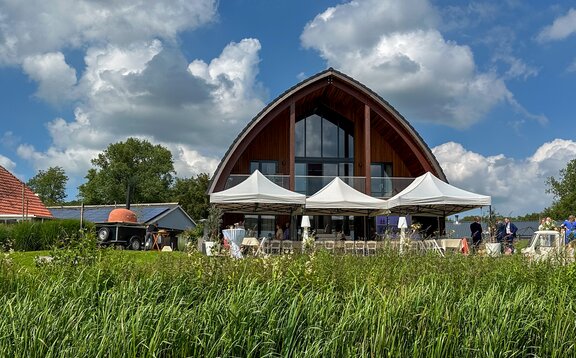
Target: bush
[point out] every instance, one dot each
(34, 236)
(5, 241)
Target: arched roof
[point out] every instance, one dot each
(336, 89)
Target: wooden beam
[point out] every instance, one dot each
(367, 159)
(291, 140)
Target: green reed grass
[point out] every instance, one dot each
(173, 305)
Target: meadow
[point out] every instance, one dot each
(170, 304)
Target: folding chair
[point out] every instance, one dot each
(348, 247)
(287, 246)
(329, 245)
(371, 247)
(275, 246)
(432, 245)
(359, 247)
(262, 248)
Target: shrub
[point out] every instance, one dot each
(34, 236)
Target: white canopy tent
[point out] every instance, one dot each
(428, 195)
(258, 195)
(338, 198)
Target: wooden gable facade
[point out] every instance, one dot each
(18, 201)
(380, 133)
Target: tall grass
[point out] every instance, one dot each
(299, 306)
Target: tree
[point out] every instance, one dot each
(564, 191)
(132, 171)
(50, 185)
(191, 195)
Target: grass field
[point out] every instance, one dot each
(150, 304)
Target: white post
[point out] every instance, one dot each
(402, 225)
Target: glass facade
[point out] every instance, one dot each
(381, 182)
(266, 167)
(324, 149)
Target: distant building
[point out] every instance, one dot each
(167, 215)
(18, 202)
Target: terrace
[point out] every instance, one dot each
(381, 187)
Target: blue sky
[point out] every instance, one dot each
(489, 85)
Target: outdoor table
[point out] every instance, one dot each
(235, 237)
(250, 245)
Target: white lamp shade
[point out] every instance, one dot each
(305, 221)
(402, 223)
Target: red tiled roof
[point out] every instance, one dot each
(14, 200)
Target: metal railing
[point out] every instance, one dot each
(382, 187)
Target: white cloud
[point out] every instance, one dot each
(148, 90)
(394, 48)
(517, 186)
(7, 163)
(561, 28)
(135, 81)
(55, 78)
(36, 26)
(572, 67)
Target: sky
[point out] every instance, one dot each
(489, 85)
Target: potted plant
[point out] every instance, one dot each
(212, 230)
(493, 247)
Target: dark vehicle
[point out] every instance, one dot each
(123, 229)
(128, 235)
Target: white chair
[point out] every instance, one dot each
(275, 246)
(371, 247)
(262, 248)
(348, 247)
(287, 247)
(432, 245)
(329, 245)
(359, 247)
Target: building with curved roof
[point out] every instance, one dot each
(327, 126)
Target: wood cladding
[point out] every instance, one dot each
(391, 139)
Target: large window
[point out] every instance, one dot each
(266, 167)
(324, 148)
(380, 174)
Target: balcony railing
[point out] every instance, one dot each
(381, 187)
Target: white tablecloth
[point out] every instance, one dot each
(234, 237)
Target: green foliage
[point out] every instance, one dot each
(5, 238)
(191, 195)
(564, 191)
(50, 185)
(213, 223)
(79, 248)
(33, 236)
(319, 305)
(529, 217)
(190, 238)
(135, 167)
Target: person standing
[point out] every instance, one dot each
(569, 226)
(500, 231)
(286, 234)
(476, 233)
(151, 229)
(511, 230)
(279, 232)
(542, 225)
